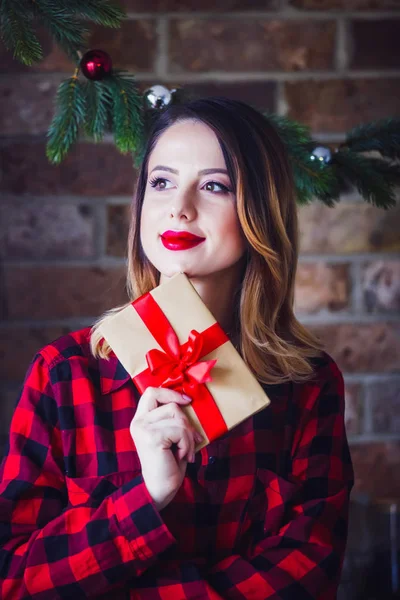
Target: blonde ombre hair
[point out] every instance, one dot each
(273, 343)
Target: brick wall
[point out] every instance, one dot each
(330, 64)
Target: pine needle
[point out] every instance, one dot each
(68, 32)
(126, 112)
(17, 33)
(291, 132)
(312, 179)
(70, 112)
(101, 12)
(98, 109)
(382, 136)
(374, 178)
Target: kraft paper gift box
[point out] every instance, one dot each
(169, 338)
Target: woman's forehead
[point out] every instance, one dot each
(188, 143)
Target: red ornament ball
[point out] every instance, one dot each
(96, 64)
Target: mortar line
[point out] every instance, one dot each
(233, 76)
(288, 14)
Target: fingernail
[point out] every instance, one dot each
(199, 438)
(186, 398)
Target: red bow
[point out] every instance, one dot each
(181, 370)
(179, 367)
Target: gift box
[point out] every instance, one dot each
(169, 338)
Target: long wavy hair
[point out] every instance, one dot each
(273, 343)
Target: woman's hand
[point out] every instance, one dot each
(154, 429)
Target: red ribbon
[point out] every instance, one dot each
(179, 366)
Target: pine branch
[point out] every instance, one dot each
(291, 132)
(63, 19)
(70, 113)
(314, 180)
(101, 12)
(382, 136)
(68, 32)
(311, 178)
(374, 178)
(17, 33)
(127, 105)
(98, 109)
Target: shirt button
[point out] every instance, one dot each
(212, 460)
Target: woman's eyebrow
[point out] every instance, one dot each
(202, 172)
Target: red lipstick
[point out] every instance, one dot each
(180, 240)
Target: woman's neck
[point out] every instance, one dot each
(217, 293)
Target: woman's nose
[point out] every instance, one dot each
(183, 207)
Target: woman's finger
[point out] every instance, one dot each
(151, 397)
(170, 432)
(167, 411)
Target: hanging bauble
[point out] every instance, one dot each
(96, 64)
(157, 97)
(321, 154)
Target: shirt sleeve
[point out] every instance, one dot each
(49, 551)
(303, 558)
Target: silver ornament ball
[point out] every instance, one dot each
(321, 154)
(157, 97)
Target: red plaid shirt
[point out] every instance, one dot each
(261, 514)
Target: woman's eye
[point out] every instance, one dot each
(159, 183)
(154, 183)
(223, 187)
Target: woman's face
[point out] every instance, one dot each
(189, 190)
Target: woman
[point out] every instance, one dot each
(102, 494)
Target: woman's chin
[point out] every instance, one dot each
(169, 271)
(171, 268)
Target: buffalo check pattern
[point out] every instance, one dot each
(261, 514)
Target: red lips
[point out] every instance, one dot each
(180, 240)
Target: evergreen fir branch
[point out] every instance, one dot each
(98, 108)
(291, 132)
(101, 12)
(382, 136)
(374, 178)
(17, 33)
(64, 19)
(70, 113)
(68, 32)
(313, 180)
(126, 112)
